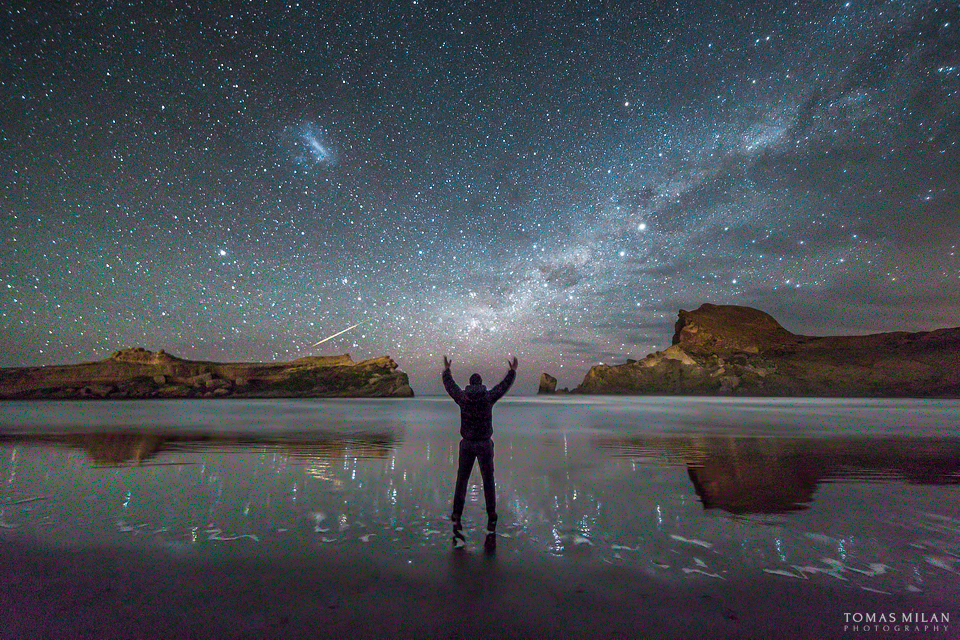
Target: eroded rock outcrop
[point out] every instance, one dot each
(731, 350)
(548, 384)
(138, 373)
(724, 330)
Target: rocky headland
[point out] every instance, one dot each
(733, 350)
(138, 373)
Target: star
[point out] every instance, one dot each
(249, 181)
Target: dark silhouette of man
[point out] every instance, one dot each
(476, 429)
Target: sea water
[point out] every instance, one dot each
(861, 494)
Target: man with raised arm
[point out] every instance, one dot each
(476, 429)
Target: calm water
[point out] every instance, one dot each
(861, 494)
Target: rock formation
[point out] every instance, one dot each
(138, 373)
(724, 330)
(731, 350)
(548, 384)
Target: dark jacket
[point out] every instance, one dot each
(476, 404)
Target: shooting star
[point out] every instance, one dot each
(337, 333)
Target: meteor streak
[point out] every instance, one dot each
(337, 333)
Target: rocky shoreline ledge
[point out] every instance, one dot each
(739, 351)
(716, 350)
(138, 373)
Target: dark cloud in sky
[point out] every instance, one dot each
(552, 180)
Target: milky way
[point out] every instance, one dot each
(550, 180)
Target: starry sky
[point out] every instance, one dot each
(553, 180)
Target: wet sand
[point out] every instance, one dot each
(618, 519)
(124, 593)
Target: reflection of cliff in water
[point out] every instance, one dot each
(121, 447)
(775, 475)
(746, 478)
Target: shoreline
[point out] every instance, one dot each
(712, 518)
(147, 593)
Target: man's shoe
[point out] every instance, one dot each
(458, 539)
(492, 524)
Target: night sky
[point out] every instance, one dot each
(238, 181)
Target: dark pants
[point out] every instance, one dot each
(482, 451)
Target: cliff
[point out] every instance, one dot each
(731, 350)
(138, 373)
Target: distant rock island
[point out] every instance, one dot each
(733, 350)
(548, 384)
(138, 373)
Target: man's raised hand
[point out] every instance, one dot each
(513, 363)
(446, 362)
